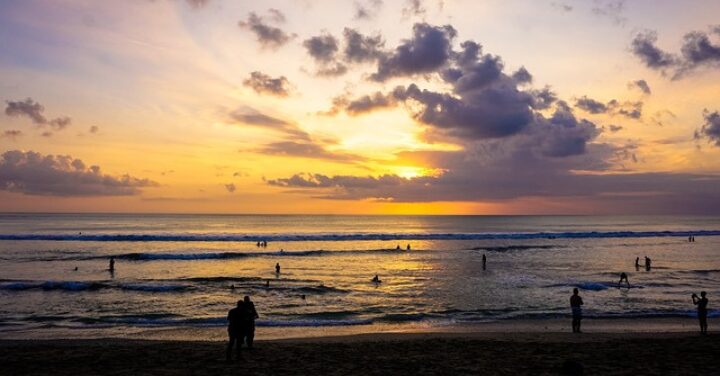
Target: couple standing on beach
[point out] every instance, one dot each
(241, 325)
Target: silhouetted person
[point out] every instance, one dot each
(576, 303)
(624, 277)
(236, 317)
(277, 268)
(249, 321)
(257, 244)
(111, 268)
(408, 247)
(76, 268)
(398, 247)
(693, 238)
(637, 263)
(376, 279)
(484, 262)
(648, 263)
(701, 303)
(267, 283)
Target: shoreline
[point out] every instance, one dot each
(508, 328)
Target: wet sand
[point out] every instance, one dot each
(512, 352)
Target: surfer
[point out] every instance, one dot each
(484, 262)
(376, 279)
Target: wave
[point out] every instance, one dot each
(514, 248)
(212, 237)
(597, 286)
(88, 286)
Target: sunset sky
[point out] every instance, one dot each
(360, 107)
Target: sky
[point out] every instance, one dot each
(360, 106)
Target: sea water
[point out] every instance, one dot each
(188, 270)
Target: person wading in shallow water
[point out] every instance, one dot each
(236, 320)
(701, 303)
(576, 303)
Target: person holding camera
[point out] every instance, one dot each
(701, 303)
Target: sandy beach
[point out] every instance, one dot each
(516, 350)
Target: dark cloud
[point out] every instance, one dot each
(614, 128)
(332, 70)
(322, 47)
(429, 49)
(614, 107)
(522, 76)
(590, 105)
(641, 85)
(697, 51)
(710, 130)
(230, 187)
(11, 134)
(252, 117)
(32, 173)
(94, 129)
(360, 48)
(267, 35)
(34, 111)
(306, 149)
(264, 84)
(643, 46)
(542, 98)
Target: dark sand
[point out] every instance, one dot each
(482, 353)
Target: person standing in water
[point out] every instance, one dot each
(111, 268)
(637, 263)
(277, 268)
(484, 262)
(576, 303)
(701, 303)
(408, 247)
(624, 277)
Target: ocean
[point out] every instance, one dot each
(186, 271)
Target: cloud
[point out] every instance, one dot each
(230, 187)
(264, 84)
(322, 47)
(710, 130)
(34, 111)
(250, 116)
(94, 129)
(643, 46)
(268, 36)
(590, 105)
(276, 15)
(368, 9)
(697, 51)
(614, 128)
(629, 109)
(32, 173)
(429, 48)
(305, 149)
(360, 48)
(11, 134)
(641, 85)
(612, 9)
(414, 8)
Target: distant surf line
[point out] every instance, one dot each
(169, 237)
